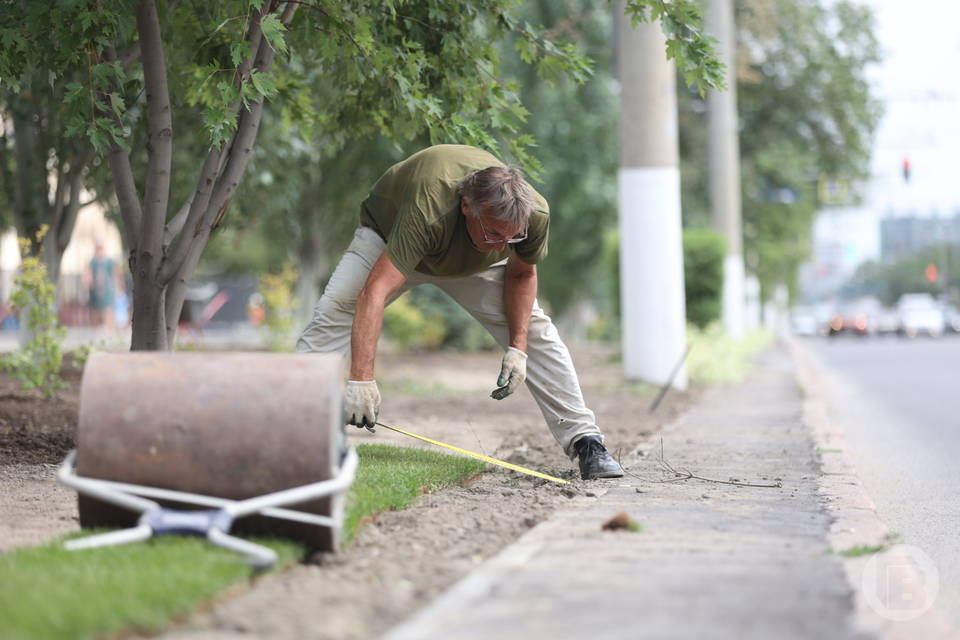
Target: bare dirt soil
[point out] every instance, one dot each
(35, 435)
(400, 560)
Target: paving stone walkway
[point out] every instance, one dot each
(712, 560)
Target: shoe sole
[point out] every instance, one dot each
(604, 476)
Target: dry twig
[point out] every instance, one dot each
(681, 475)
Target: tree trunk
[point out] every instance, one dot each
(312, 254)
(52, 257)
(31, 183)
(65, 208)
(148, 320)
(163, 257)
(149, 328)
(313, 268)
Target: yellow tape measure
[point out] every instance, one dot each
(478, 456)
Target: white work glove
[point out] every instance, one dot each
(513, 372)
(361, 403)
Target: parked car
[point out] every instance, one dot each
(920, 313)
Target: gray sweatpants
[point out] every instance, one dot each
(551, 377)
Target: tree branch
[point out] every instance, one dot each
(58, 197)
(30, 200)
(123, 183)
(127, 196)
(6, 179)
(41, 129)
(73, 206)
(212, 166)
(237, 157)
(254, 37)
(160, 134)
(175, 224)
(239, 153)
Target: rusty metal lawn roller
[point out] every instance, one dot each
(252, 436)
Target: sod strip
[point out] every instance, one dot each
(391, 478)
(48, 592)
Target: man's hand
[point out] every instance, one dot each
(513, 372)
(361, 403)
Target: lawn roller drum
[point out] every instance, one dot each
(254, 436)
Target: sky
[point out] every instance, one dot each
(919, 82)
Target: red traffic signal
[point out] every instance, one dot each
(931, 272)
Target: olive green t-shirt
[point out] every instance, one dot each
(415, 208)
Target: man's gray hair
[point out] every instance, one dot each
(504, 190)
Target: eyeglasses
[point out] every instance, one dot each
(498, 239)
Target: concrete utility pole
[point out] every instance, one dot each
(724, 164)
(651, 245)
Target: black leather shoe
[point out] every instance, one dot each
(595, 461)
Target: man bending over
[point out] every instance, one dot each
(456, 217)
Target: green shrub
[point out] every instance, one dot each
(716, 358)
(409, 327)
(703, 253)
(461, 331)
(426, 318)
(37, 363)
(280, 306)
(606, 328)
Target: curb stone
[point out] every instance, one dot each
(855, 521)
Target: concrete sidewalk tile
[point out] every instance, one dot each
(712, 561)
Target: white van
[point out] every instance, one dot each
(919, 313)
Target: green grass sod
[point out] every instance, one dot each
(393, 477)
(50, 593)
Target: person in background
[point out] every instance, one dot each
(104, 281)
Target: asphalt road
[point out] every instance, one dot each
(899, 400)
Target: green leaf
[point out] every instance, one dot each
(239, 51)
(116, 103)
(264, 83)
(273, 31)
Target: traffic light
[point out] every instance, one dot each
(931, 272)
(906, 169)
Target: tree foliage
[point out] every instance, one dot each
(687, 45)
(399, 69)
(576, 129)
(890, 280)
(43, 172)
(806, 112)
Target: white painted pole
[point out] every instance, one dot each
(724, 164)
(653, 311)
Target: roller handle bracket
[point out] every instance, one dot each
(165, 521)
